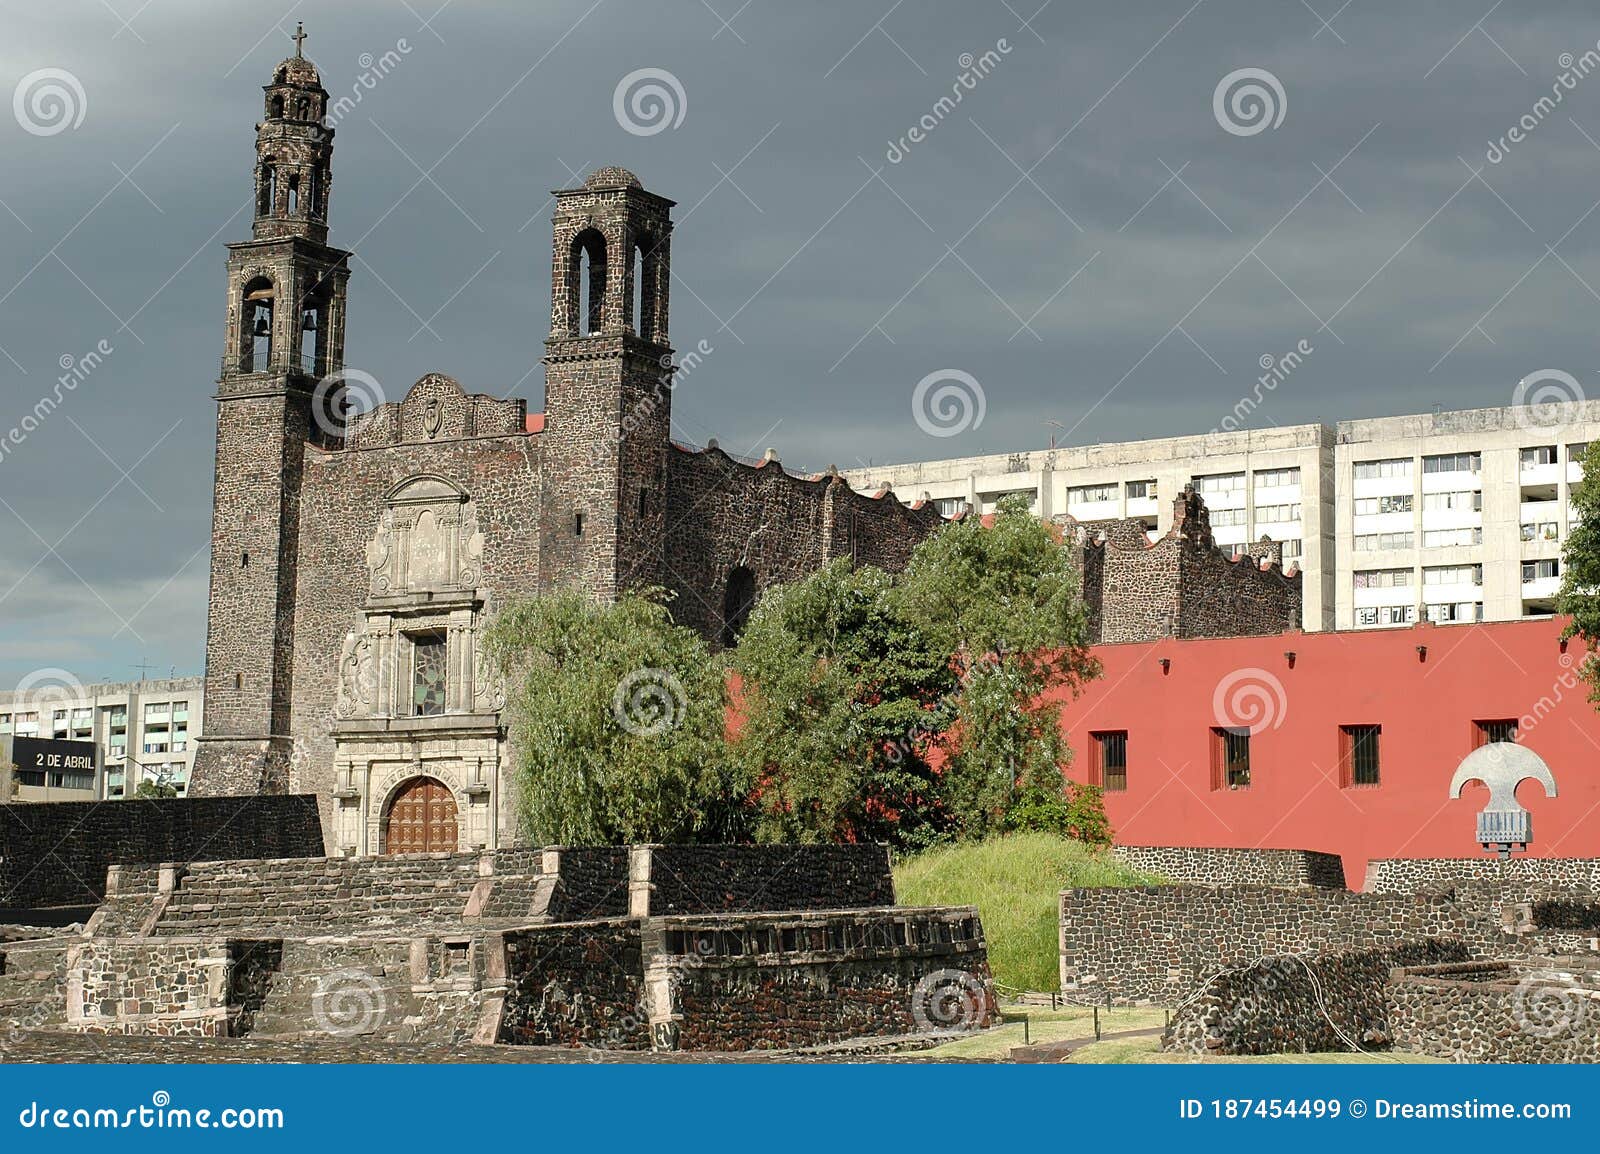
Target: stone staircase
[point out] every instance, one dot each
(33, 976)
(367, 988)
(309, 896)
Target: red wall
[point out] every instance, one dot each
(1426, 706)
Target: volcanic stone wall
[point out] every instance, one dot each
(56, 853)
(593, 883)
(1161, 943)
(1199, 865)
(1284, 1004)
(1407, 875)
(727, 878)
(172, 988)
(1521, 1016)
(777, 981)
(579, 983)
(1181, 584)
(724, 514)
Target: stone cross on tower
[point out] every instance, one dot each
(299, 38)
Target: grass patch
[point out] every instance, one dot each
(1016, 882)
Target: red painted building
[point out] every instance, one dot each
(1343, 742)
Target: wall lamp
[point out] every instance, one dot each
(1422, 653)
(1288, 656)
(1165, 663)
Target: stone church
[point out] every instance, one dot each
(355, 560)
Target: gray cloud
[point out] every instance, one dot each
(797, 245)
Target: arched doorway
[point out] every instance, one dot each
(738, 598)
(421, 819)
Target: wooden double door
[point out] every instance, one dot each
(422, 819)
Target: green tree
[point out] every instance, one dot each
(1004, 599)
(151, 787)
(1580, 570)
(841, 697)
(618, 718)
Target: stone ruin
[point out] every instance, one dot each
(1266, 952)
(641, 950)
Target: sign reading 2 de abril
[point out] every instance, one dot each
(58, 764)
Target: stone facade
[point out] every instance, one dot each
(1200, 865)
(348, 553)
(1180, 584)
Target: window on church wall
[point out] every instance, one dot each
(1230, 758)
(256, 319)
(588, 282)
(428, 656)
(267, 190)
(294, 194)
(645, 262)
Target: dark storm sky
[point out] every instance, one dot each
(1081, 233)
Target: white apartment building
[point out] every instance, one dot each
(144, 730)
(1447, 516)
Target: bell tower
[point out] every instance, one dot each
(608, 388)
(279, 391)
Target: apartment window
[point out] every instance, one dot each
(1230, 758)
(950, 506)
(428, 674)
(1222, 518)
(1089, 494)
(1385, 540)
(1466, 501)
(1443, 538)
(1536, 570)
(1277, 478)
(1541, 455)
(1218, 483)
(1292, 548)
(5, 723)
(1453, 463)
(1372, 470)
(1111, 760)
(1267, 514)
(1576, 452)
(1396, 503)
(1485, 732)
(1541, 531)
(1358, 757)
(1453, 575)
(1382, 578)
(1373, 615)
(1141, 490)
(27, 725)
(1449, 612)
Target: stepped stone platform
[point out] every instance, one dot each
(638, 950)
